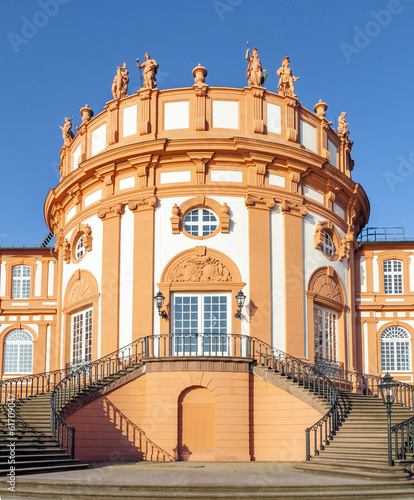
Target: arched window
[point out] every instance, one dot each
(395, 350)
(393, 277)
(18, 352)
(200, 222)
(21, 282)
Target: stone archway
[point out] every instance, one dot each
(196, 425)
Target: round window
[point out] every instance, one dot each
(200, 222)
(328, 247)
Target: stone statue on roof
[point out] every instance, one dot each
(67, 133)
(286, 79)
(256, 76)
(150, 70)
(343, 131)
(120, 83)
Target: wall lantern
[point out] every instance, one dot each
(240, 298)
(388, 390)
(159, 302)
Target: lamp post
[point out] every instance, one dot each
(159, 302)
(388, 391)
(240, 298)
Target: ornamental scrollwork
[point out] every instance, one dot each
(200, 269)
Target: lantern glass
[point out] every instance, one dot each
(159, 300)
(388, 389)
(240, 298)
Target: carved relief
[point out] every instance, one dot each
(326, 286)
(200, 268)
(111, 211)
(142, 204)
(175, 219)
(81, 288)
(259, 202)
(294, 208)
(294, 178)
(225, 218)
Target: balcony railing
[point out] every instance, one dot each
(383, 234)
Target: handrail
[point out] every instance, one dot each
(93, 373)
(29, 385)
(404, 438)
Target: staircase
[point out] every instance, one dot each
(35, 450)
(360, 446)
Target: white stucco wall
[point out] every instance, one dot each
(278, 278)
(234, 244)
(314, 259)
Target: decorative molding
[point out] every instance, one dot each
(258, 124)
(107, 176)
(200, 161)
(142, 164)
(294, 208)
(109, 212)
(291, 104)
(252, 201)
(294, 180)
(113, 111)
(76, 193)
(145, 98)
(200, 268)
(200, 201)
(140, 204)
(260, 162)
(200, 90)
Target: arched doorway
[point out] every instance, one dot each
(196, 425)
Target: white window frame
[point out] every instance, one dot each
(393, 277)
(395, 340)
(21, 277)
(198, 228)
(80, 250)
(325, 333)
(328, 246)
(214, 343)
(23, 357)
(85, 349)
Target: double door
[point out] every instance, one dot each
(200, 323)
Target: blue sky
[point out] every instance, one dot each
(58, 55)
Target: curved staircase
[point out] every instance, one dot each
(360, 446)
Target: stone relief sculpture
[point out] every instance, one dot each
(120, 83)
(286, 79)
(343, 131)
(67, 133)
(256, 76)
(150, 70)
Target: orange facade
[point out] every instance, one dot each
(199, 194)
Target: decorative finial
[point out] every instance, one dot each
(286, 79)
(86, 113)
(320, 109)
(150, 70)
(199, 73)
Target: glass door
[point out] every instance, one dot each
(325, 334)
(81, 337)
(200, 324)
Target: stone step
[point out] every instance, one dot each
(38, 469)
(339, 469)
(42, 462)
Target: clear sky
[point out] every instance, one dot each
(58, 55)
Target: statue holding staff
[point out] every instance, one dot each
(255, 74)
(150, 70)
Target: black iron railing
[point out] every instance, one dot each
(382, 234)
(403, 439)
(366, 385)
(29, 385)
(194, 344)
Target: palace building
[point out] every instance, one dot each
(203, 230)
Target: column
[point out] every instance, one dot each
(111, 217)
(260, 291)
(294, 279)
(143, 279)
